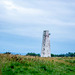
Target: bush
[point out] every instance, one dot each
(7, 53)
(32, 54)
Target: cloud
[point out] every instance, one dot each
(10, 6)
(25, 17)
(41, 12)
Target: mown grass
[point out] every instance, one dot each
(27, 65)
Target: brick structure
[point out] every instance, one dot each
(45, 45)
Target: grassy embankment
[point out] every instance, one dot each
(27, 65)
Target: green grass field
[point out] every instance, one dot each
(28, 65)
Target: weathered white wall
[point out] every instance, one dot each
(45, 52)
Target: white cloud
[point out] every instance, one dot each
(10, 6)
(37, 16)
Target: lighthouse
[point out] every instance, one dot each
(45, 52)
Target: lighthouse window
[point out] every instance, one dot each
(43, 48)
(43, 53)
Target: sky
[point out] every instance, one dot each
(22, 23)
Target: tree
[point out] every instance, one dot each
(32, 54)
(7, 53)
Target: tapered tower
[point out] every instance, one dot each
(45, 52)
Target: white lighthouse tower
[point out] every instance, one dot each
(45, 52)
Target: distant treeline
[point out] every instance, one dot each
(32, 54)
(69, 54)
